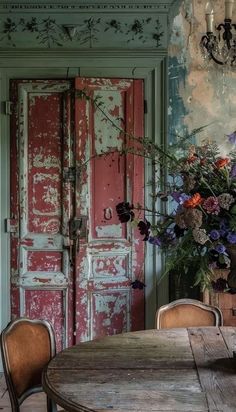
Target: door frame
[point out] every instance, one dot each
(150, 65)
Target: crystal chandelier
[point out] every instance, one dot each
(219, 42)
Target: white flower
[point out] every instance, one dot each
(200, 236)
(225, 200)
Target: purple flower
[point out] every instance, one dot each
(231, 237)
(214, 234)
(220, 248)
(224, 224)
(224, 228)
(232, 137)
(233, 171)
(176, 196)
(180, 197)
(154, 240)
(223, 232)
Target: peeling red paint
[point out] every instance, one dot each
(38, 158)
(44, 261)
(49, 303)
(115, 112)
(106, 265)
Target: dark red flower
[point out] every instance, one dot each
(125, 212)
(220, 285)
(144, 228)
(137, 284)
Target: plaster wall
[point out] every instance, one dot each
(198, 94)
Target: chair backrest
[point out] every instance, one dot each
(183, 313)
(26, 347)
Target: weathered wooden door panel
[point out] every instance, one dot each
(41, 204)
(107, 112)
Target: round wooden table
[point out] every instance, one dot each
(167, 370)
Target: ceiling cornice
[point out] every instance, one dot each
(121, 7)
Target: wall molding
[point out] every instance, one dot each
(85, 7)
(83, 53)
(84, 58)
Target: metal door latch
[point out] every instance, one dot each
(78, 227)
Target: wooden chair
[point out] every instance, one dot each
(26, 346)
(185, 313)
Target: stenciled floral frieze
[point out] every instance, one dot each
(87, 33)
(47, 31)
(137, 30)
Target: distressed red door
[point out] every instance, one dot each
(110, 256)
(87, 293)
(41, 205)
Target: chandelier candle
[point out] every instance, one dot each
(229, 9)
(209, 17)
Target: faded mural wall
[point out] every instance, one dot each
(198, 95)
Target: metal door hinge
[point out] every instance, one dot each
(10, 225)
(145, 108)
(8, 106)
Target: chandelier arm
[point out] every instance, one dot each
(227, 35)
(216, 60)
(206, 41)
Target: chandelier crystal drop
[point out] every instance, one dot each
(219, 43)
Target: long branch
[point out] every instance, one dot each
(81, 93)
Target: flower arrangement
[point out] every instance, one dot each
(196, 219)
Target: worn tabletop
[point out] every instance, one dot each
(187, 370)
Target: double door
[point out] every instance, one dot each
(72, 261)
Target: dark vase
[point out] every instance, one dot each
(181, 284)
(232, 274)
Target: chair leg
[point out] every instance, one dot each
(51, 405)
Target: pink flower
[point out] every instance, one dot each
(211, 205)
